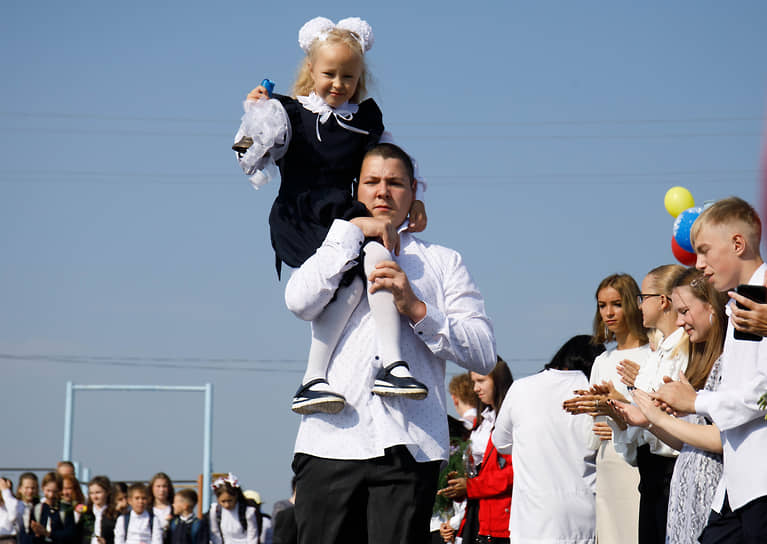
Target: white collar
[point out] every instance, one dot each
(344, 112)
(671, 340)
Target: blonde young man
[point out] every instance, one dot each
(726, 239)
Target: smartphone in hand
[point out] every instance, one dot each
(757, 293)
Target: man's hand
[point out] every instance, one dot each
(417, 217)
(753, 319)
(381, 228)
(677, 396)
(388, 275)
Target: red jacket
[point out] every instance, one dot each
(492, 486)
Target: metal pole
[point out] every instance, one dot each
(207, 463)
(68, 419)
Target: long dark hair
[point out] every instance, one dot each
(104, 483)
(171, 491)
(502, 380)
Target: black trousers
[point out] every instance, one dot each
(655, 473)
(747, 524)
(386, 500)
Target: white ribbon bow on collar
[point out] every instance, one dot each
(344, 112)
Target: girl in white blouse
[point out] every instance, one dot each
(233, 519)
(161, 494)
(617, 319)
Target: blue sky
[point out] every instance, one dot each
(134, 250)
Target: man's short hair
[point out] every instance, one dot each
(727, 212)
(391, 151)
(189, 495)
(462, 387)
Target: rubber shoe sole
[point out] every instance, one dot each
(325, 405)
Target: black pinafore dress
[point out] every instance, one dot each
(318, 178)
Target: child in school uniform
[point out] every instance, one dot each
(49, 522)
(185, 527)
(139, 525)
(27, 494)
(11, 513)
(233, 519)
(161, 498)
(97, 522)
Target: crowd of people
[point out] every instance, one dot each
(641, 432)
(136, 513)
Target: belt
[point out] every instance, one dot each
(482, 539)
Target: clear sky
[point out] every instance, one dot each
(134, 251)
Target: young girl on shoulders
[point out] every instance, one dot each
(233, 519)
(161, 495)
(318, 140)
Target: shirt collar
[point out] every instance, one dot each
(671, 340)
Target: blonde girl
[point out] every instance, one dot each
(318, 138)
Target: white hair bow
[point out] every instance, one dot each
(318, 28)
(230, 479)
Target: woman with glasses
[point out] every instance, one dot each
(654, 459)
(700, 310)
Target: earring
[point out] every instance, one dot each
(711, 319)
(607, 332)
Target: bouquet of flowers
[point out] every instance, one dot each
(461, 462)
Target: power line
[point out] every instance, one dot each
(563, 122)
(168, 362)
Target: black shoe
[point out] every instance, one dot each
(243, 145)
(389, 385)
(308, 401)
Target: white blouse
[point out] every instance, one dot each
(481, 435)
(605, 369)
(163, 514)
(231, 529)
(98, 513)
(11, 514)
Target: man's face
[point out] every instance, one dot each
(716, 256)
(385, 188)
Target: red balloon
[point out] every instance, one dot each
(684, 257)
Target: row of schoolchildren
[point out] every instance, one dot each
(675, 423)
(116, 513)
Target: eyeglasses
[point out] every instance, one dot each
(641, 298)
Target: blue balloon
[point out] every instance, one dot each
(682, 226)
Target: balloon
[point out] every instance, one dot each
(684, 257)
(677, 200)
(682, 227)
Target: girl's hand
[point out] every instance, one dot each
(651, 411)
(631, 414)
(594, 405)
(446, 532)
(602, 430)
(258, 93)
(38, 529)
(677, 398)
(628, 371)
(417, 217)
(456, 487)
(607, 388)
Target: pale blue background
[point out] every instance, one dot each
(133, 250)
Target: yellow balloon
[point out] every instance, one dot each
(677, 200)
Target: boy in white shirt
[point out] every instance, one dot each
(138, 525)
(726, 239)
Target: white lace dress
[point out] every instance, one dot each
(696, 477)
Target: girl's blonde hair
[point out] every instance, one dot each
(304, 83)
(629, 291)
(703, 355)
(663, 279)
